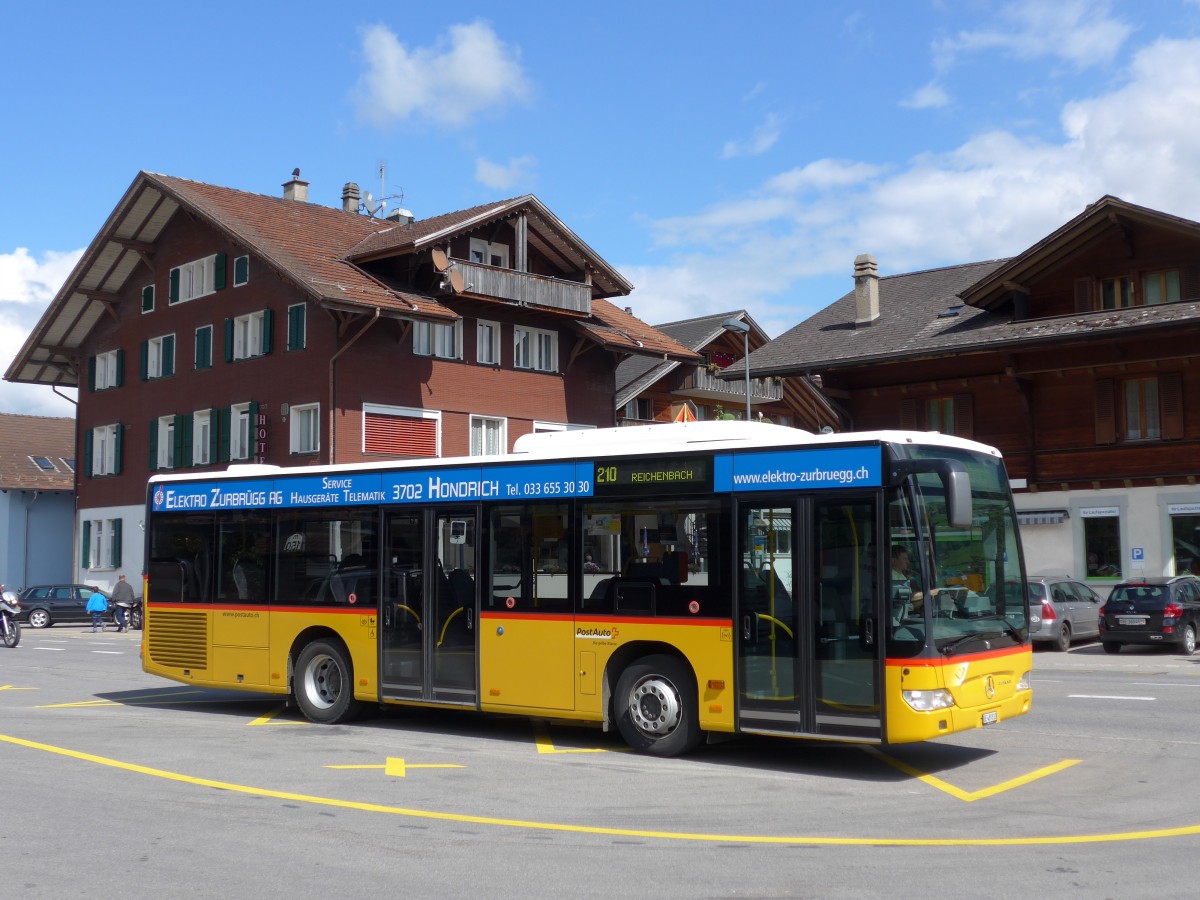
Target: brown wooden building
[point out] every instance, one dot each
(1077, 359)
(672, 390)
(206, 325)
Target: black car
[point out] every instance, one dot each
(1160, 610)
(44, 605)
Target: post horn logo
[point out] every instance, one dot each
(989, 687)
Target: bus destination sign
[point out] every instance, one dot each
(680, 475)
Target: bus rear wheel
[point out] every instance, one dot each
(656, 707)
(324, 684)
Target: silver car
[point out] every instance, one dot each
(1062, 609)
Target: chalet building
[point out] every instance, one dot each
(37, 500)
(206, 326)
(1079, 359)
(671, 390)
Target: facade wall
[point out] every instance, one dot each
(377, 365)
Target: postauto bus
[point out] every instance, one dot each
(672, 580)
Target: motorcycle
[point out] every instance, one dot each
(10, 628)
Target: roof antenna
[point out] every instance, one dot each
(373, 207)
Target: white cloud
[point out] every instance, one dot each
(993, 196)
(762, 140)
(931, 96)
(468, 72)
(27, 285)
(518, 170)
(1081, 32)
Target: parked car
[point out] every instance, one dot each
(1062, 609)
(1160, 610)
(44, 605)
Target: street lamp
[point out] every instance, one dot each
(733, 326)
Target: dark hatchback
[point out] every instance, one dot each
(1161, 610)
(44, 605)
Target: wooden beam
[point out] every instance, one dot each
(108, 300)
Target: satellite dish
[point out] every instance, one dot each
(456, 280)
(440, 261)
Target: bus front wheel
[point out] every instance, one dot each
(324, 684)
(656, 707)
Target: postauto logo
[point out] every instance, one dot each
(596, 634)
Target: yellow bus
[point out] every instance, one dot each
(674, 581)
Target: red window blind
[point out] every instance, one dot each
(399, 435)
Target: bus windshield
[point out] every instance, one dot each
(949, 581)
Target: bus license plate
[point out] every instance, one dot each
(991, 718)
(1131, 620)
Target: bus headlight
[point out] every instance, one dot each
(926, 701)
(1023, 684)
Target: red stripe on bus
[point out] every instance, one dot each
(941, 662)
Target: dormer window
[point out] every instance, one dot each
(489, 254)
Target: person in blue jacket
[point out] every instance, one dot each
(97, 606)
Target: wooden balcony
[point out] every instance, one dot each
(521, 287)
(699, 382)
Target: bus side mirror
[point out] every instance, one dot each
(956, 482)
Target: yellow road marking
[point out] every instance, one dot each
(397, 767)
(269, 718)
(1184, 831)
(10, 687)
(970, 796)
(541, 736)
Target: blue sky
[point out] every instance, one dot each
(722, 156)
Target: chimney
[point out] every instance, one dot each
(866, 290)
(295, 189)
(351, 197)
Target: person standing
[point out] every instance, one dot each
(97, 606)
(122, 596)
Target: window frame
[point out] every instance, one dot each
(105, 450)
(240, 427)
(241, 270)
(431, 339)
(481, 251)
(195, 279)
(160, 357)
(107, 370)
(490, 426)
(305, 437)
(203, 427)
(529, 356)
(490, 342)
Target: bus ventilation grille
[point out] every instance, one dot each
(179, 639)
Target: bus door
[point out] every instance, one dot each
(429, 606)
(808, 641)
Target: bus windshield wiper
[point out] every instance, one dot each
(949, 648)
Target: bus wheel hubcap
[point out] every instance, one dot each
(654, 705)
(323, 682)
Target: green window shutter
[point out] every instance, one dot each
(214, 444)
(223, 449)
(229, 340)
(268, 328)
(296, 326)
(173, 290)
(117, 450)
(148, 297)
(87, 453)
(145, 363)
(241, 270)
(204, 347)
(116, 543)
(120, 380)
(86, 546)
(183, 442)
(219, 272)
(253, 423)
(153, 442)
(91, 373)
(168, 355)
